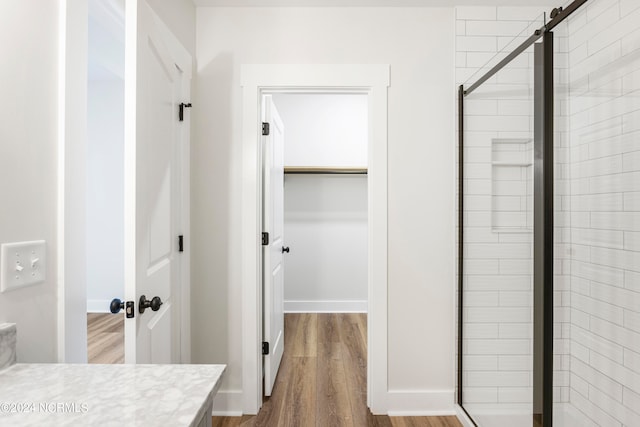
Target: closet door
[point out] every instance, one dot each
(273, 245)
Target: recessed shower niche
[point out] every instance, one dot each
(512, 185)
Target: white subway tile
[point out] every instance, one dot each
(581, 319)
(615, 333)
(494, 28)
(598, 273)
(498, 314)
(595, 237)
(632, 360)
(631, 122)
(483, 299)
(498, 379)
(476, 12)
(597, 308)
(631, 399)
(515, 331)
(497, 283)
(515, 394)
(631, 42)
(473, 331)
(616, 258)
(480, 395)
(632, 320)
(613, 407)
(578, 351)
(632, 201)
(502, 250)
(632, 241)
(592, 411)
(515, 362)
(476, 44)
(480, 363)
(631, 82)
(632, 280)
(515, 299)
(461, 28)
(481, 266)
(517, 266)
(628, 6)
(596, 378)
(598, 344)
(528, 14)
(625, 221)
(579, 384)
(498, 347)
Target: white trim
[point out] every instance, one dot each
(98, 306)
(72, 131)
(374, 81)
(463, 418)
(404, 403)
(227, 403)
(332, 306)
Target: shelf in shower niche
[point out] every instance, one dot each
(512, 163)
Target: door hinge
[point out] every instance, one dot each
(181, 112)
(265, 128)
(180, 243)
(265, 348)
(265, 239)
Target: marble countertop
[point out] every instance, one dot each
(106, 395)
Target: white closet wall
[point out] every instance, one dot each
(325, 215)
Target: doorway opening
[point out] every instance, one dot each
(371, 82)
(315, 262)
(105, 181)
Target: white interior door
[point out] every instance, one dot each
(273, 224)
(157, 72)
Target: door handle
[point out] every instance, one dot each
(117, 305)
(144, 303)
(285, 249)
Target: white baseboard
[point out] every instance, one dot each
(227, 403)
(414, 403)
(331, 306)
(98, 306)
(463, 418)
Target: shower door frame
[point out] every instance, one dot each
(543, 213)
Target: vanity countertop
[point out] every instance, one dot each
(107, 395)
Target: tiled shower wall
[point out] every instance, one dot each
(604, 108)
(498, 317)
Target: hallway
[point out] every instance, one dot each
(322, 379)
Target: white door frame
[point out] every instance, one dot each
(372, 80)
(71, 246)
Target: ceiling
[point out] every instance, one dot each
(363, 3)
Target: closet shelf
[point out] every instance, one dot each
(329, 170)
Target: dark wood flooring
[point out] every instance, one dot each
(322, 379)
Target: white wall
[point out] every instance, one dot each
(105, 195)
(28, 161)
(324, 130)
(418, 44)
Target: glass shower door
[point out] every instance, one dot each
(498, 251)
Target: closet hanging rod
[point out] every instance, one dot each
(310, 170)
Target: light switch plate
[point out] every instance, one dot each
(22, 264)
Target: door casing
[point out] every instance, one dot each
(257, 80)
(72, 127)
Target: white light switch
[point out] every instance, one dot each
(22, 264)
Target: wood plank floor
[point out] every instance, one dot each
(105, 338)
(322, 379)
